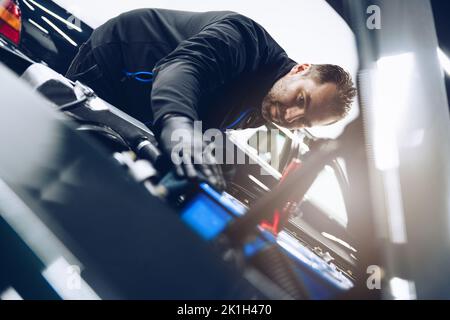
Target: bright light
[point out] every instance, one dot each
(402, 289)
(393, 78)
(28, 5)
(444, 60)
(65, 36)
(340, 241)
(10, 294)
(65, 280)
(392, 83)
(259, 183)
(326, 194)
(37, 25)
(54, 15)
(394, 205)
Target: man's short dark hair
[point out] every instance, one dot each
(346, 91)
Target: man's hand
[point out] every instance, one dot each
(191, 157)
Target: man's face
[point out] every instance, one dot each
(297, 101)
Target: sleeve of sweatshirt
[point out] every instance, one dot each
(200, 64)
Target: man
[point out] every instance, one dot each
(169, 68)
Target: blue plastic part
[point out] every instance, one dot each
(206, 217)
(210, 212)
(230, 203)
(254, 247)
(141, 76)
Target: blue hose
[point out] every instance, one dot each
(141, 76)
(241, 116)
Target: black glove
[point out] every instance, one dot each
(191, 157)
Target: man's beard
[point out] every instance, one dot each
(265, 107)
(271, 99)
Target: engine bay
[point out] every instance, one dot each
(280, 256)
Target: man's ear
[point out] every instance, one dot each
(298, 68)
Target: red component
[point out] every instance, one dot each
(10, 34)
(293, 166)
(10, 21)
(274, 225)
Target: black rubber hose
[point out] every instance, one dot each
(278, 267)
(147, 150)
